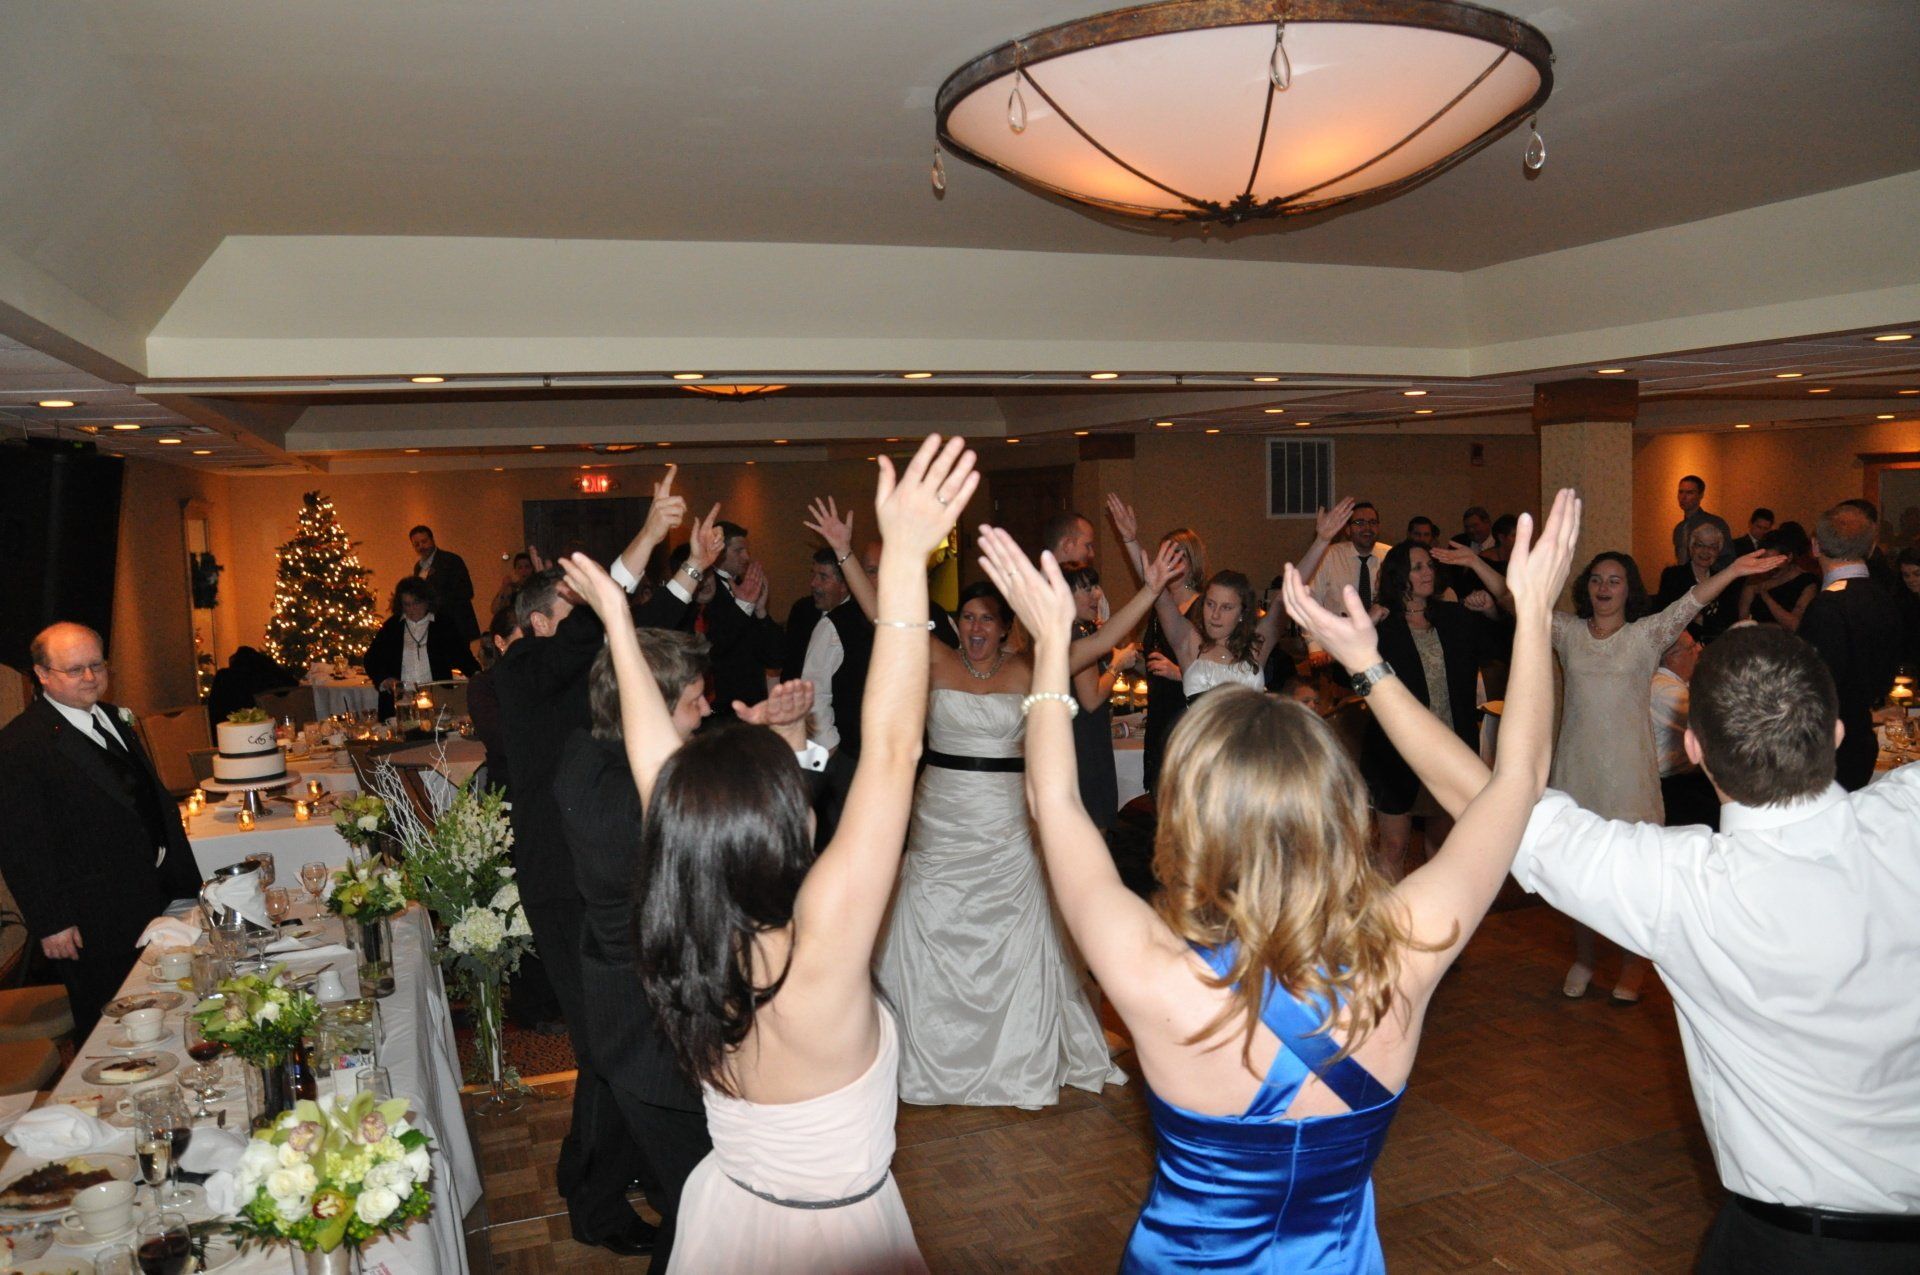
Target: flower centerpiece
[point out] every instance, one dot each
(328, 1176)
(263, 1022)
(364, 896)
(361, 820)
(460, 870)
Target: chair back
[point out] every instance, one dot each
(201, 759)
(449, 698)
(171, 735)
(293, 701)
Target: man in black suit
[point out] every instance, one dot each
(802, 617)
(542, 685)
(838, 650)
(746, 643)
(1759, 523)
(90, 842)
(1854, 624)
(445, 572)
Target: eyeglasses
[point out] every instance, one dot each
(1363, 522)
(80, 670)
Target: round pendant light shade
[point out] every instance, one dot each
(1229, 110)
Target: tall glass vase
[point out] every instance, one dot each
(270, 1089)
(489, 1024)
(374, 940)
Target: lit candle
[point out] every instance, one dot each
(196, 802)
(313, 788)
(245, 820)
(423, 701)
(302, 811)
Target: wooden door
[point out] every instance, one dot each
(598, 526)
(1023, 500)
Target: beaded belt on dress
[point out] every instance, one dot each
(815, 1204)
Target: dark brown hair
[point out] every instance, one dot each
(1763, 708)
(1636, 588)
(1240, 642)
(676, 659)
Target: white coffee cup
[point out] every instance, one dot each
(144, 1025)
(174, 965)
(103, 1209)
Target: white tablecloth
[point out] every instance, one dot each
(350, 695)
(217, 842)
(415, 1046)
(1129, 767)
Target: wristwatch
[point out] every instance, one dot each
(693, 573)
(1368, 678)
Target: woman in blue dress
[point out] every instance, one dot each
(1276, 988)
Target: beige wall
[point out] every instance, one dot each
(153, 655)
(1795, 472)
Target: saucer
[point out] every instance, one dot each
(123, 1041)
(76, 1234)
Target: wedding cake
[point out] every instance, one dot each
(248, 752)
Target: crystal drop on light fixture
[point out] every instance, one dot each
(1280, 66)
(1536, 149)
(939, 175)
(1016, 107)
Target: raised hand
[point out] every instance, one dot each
(1167, 566)
(707, 541)
(1125, 654)
(751, 587)
(1124, 521)
(1348, 638)
(1537, 569)
(1330, 524)
(1454, 555)
(1039, 596)
(667, 510)
(827, 523)
(918, 508)
(1757, 563)
(784, 710)
(539, 560)
(590, 581)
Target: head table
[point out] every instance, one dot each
(414, 1042)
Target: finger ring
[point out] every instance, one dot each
(942, 499)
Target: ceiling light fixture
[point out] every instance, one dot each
(1743, 425)
(1894, 336)
(1788, 376)
(126, 425)
(427, 380)
(413, 451)
(56, 402)
(1013, 440)
(689, 376)
(1230, 110)
(202, 451)
(734, 391)
(1423, 411)
(1907, 391)
(1214, 430)
(1081, 433)
(1273, 411)
(538, 447)
(1609, 371)
(1163, 424)
(1884, 416)
(1265, 380)
(1825, 389)
(168, 442)
(779, 442)
(1413, 393)
(915, 376)
(1301, 424)
(1102, 376)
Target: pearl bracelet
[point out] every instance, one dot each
(903, 624)
(1073, 705)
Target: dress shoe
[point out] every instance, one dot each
(635, 1241)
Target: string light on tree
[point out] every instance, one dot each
(322, 608)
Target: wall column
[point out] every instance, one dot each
(1586, 442)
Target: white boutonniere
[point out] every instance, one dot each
(126, 715)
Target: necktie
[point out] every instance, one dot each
(108, 736)
(1366, 582)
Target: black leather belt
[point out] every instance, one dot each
(1827, 1224)
(947, 761)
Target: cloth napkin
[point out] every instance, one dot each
(213, 1150)
(222, 1199)
(53, 1133)
(240, 894)
(306, 949)
(169, 931)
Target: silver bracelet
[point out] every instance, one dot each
(1073, 705)
(903, 624)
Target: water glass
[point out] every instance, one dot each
(207, 973)
(115, 1259)
(373, 1080)
(314, 875)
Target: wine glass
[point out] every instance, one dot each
(264, 865)
(115, 1259)
(279, 903)
(168, 1111)
(313, 875)
(204, 1075)
(164, 1244)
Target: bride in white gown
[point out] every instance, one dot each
(992, 1005)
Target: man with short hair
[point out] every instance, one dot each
(1787, 940)
(1070, 537)
(1688, 496)
(90, 841)
(1354, 560)
(1478, 535)
(1879, 565)
(1422, 531)
(445, 573)
(746, 643)
(1854, 624)
(1759, 523)
(837, 654)
(826, 589)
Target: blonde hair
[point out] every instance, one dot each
(1264, 842)
(1196, 550)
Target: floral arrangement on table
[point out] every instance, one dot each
(460, 869)
(334, 1173)
(369, 891)
(247, 716)
(362, 818)
(258, 1017)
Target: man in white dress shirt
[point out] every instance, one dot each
(1353, 561)
(837, 653)
(1789, 942)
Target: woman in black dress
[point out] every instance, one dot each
(1781, 596)
(1436, 648)
(412, 643)
(1706, 553)
(1166, 696)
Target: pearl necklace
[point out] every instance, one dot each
(999, 658)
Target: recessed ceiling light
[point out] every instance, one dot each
(1213, 431)
(915, 376)
(1743, 425)
(1413, 393)
(779, 442)
(586, 466)
(413, 451)
(893, 440)
(1302, 424)
(1273, 411)
(1884, 416)
(1266, 380)
(1894, 336)
(1423, 411)
(1092, 376)
(1163, 424)
(539, 447)
(1908, 391)
(56, 402)
(202, 451)
(126, 425)
(426, 380)
(1788, 376)
(689, 376)
(499, 469)
(1081, 433)
(413, 471)
(1013, 440)
(167, 442)
(666, 444)
(1824, 389)
(1609, 371)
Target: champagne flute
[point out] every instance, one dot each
(313, 875)
(153, 1144)
(164, 1245)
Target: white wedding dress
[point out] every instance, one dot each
(992, 1005)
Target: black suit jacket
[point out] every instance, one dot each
(447, 653)
(799, 630)
(1714, 619)
(744, 648)
(452, 592)
(1856, 628)
(78, 835)
(1467, 640)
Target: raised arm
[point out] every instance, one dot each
(839, 908)
(827, 523)
(1447, 897)
(1327, 526)
(1127, 526)
(664, 513)
(1757, 563)
(1183, 639)
(1160, 573)
(1113, 927)
(645, 719)
(1454, 555)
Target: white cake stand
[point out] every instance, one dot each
(252, 788)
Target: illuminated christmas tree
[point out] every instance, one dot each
(322, 608)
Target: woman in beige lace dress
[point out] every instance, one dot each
(1604, 758)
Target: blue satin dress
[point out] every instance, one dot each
(1258, 1193)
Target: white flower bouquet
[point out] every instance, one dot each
(368, 891)
(333, 1173)
(258, 1016)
